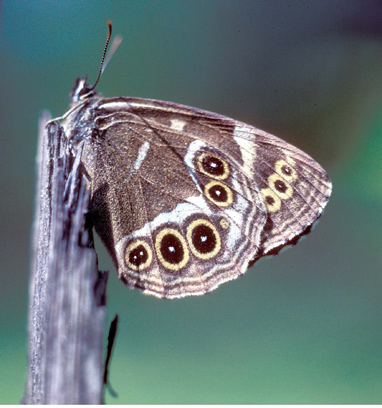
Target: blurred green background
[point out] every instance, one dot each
(302, 327)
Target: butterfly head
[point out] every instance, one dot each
(81, 90)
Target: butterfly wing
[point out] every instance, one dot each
(295, 189)
(186, 199)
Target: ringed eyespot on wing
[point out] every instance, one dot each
(219, 193)
(203, 238)
(213, 166)
(138, 255)
(286, 170)
(171, 249)
(280, 186)
(271, 199)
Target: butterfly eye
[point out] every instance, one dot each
(138, 255)
(286, 170)
(203, 238)
(213, 166)
(219, 193)
(171, 249)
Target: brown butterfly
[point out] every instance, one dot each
(186, 199)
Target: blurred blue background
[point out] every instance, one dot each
(302, 327)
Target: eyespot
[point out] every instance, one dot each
(280, 186)
(213, 166)
(138, 255)
(285, 170)
(219, 193)
(271, 199)
(171, 249)
(203, 238)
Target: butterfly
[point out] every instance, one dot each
(186, 199)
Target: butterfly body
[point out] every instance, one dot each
(186, 199)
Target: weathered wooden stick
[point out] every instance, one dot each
(67, 292)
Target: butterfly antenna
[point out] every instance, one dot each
(101, 69)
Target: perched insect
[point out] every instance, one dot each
(186, 199)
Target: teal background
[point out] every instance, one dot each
(302, 327)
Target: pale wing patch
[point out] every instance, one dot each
(142, 152)
(114, 106)
(188, 159)
(247, 148)
(177, 124)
